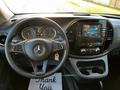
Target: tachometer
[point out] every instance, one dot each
(28, 33)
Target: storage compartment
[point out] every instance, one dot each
(91, 67)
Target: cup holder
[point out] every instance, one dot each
(99, 70)
(84, 71)
(91, 67)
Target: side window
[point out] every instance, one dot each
(2, 19)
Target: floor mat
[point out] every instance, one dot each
(18, 82)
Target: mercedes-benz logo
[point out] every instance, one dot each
(39, 50)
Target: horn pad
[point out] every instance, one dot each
(38, 49)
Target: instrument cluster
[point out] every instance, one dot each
(31, 32)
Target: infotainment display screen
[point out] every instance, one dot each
(91, 31)
(91, 35)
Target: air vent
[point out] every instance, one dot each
(109, 36)
(2, 39)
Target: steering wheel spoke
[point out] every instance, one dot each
(17, 47)
(36, 66)
(57, 46)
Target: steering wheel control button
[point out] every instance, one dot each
(19, 48)
(57, 46)
(16, 48)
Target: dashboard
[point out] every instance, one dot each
(87, 35)
(90, 39)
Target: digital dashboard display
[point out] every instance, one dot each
(92, 31)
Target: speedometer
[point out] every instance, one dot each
(28, 33)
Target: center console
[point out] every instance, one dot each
(91, 68)
(89, 41)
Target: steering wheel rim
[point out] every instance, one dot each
(13, 32)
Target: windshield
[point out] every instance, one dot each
(64, 6)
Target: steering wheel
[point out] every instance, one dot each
(36, 49)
